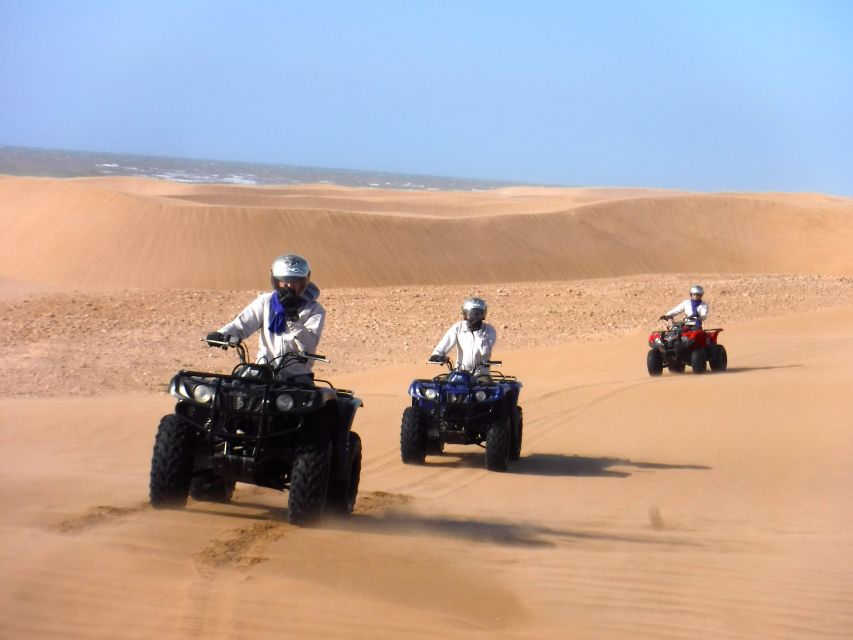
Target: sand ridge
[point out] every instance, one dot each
(85, 234)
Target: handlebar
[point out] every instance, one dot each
(440, 360)
(236, 343)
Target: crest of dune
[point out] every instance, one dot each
(109, 232)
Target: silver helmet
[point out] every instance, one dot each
(470, 304)
(290, 265)
(290, 268)
(697, 290)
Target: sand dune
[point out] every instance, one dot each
(88, 234)
(683, 506)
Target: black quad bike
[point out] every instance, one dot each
(251, 426)
(459, 408)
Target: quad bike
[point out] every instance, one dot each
(685, 344)
(458, 407)
(253, 426)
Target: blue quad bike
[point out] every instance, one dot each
(254, 426)
(460, 408)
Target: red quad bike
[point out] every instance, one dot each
(682, 344)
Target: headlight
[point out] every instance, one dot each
(430, 393)
(284, 402)
(480, 395)
(202, 393)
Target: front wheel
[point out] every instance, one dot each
(171, 463)
(677, 367)
(413, 436)
(498, 445)
(343, 491)
(654, 362)
(720, 359)
(517, 434)
(697, 361)
(309, 481)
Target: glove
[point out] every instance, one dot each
(436, 358)
(215, 337)
(664, 317)
(290, 302)
(292, 314)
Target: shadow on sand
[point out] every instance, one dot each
(487, 531)
(765, 368)
(552, 464)
(549, 464)
(475, 530)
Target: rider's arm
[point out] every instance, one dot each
(248, 321)
(702, 311)
(447, 342)
(486, 338)
(306, 331)
(679, 309)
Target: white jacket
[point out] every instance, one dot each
(686, 308)
(300, 335)
(472, 347)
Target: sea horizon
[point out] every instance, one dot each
(70, 163)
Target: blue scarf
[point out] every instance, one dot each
(695, 304)
(278, 315)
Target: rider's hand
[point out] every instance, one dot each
(436, 358)
(664, 317)
(215, 337)
(291, 304)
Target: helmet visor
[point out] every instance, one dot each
(296, 284)
(475, 314)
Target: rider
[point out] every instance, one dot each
(289, 317)
(472, 337)
(692, 307)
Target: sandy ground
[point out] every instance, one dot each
(684, 506)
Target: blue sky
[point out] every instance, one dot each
(709, 96)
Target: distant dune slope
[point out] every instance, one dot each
(149, 234)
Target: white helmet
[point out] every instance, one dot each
(697, 290)
(474, 303)
(290, 268)
(290, 265)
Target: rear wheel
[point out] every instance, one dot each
(654, 362)
(171, 463)
(413, 436)
(720, 359)
(517, 434)
(677, 367)
(498, 445)
(343, 491)
(309, 481)
(697, 361)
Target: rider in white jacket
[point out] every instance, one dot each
(693, 306)
(289, 318)
(472, 337)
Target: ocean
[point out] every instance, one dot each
(58, 163)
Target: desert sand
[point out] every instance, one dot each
(684, 506)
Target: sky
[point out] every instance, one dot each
(701, 95)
